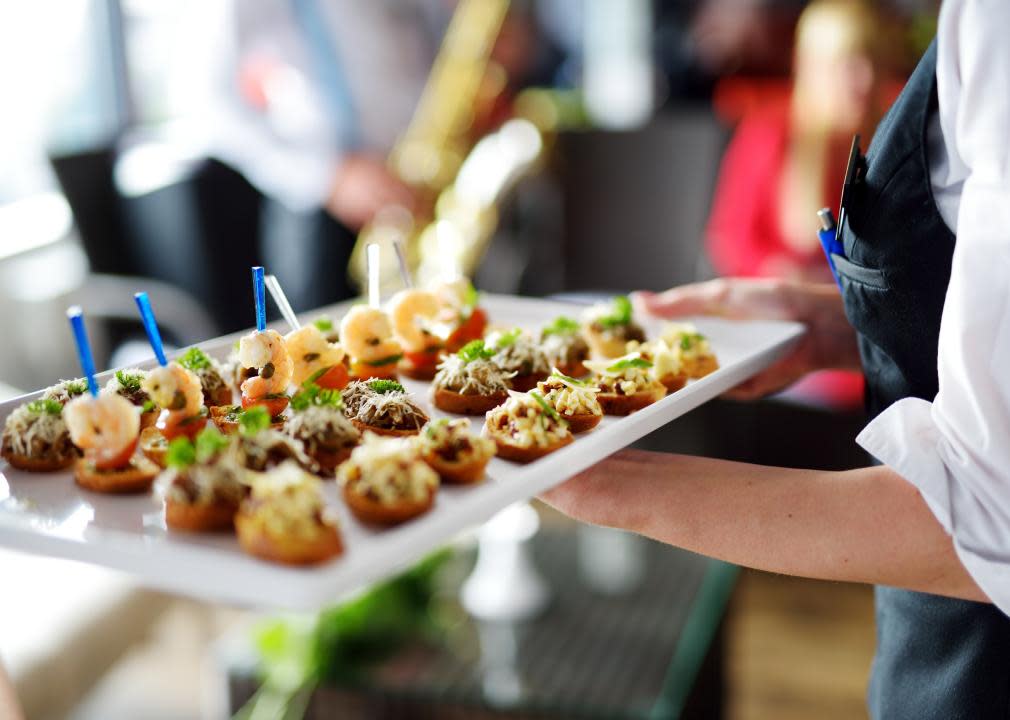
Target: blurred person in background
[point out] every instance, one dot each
(787, 160)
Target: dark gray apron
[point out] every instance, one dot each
(936, 657)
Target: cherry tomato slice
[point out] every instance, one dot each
(470, 329)
(335, 378)
(423, 359)
(274, 405)
(173, 425)
(364, 371)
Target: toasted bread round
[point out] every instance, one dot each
(149, 418)
(605, 346)
(582, 422)
(701, 366)
(219, 416)
(525, 383)
(133, 478)
(220, 396)
(328, 460)
(289, 551)
(461, 404)
(388, 432)
(376, 513)
(455, 471)
(154, 445)
(418, 372)
(199, 517)
(575, 370)
(518, 454)
(50, 463)
(614, 404)
(673, 383)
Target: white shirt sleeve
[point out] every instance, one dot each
(956, 450)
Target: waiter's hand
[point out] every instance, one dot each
(830, 341)
(364, 185)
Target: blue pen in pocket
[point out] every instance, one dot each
(829, 240)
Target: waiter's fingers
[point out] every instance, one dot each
(707, 298)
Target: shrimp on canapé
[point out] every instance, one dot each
(268, 353)
(414, 315)
(368, 337)
(104, 427)
(311, 354)
(174, 388)
(465, 321)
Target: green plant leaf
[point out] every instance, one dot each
(475, 350)
(562, 326)
(633, 362)
(620, 313)
(383, 386)
(194, 359)
(43, 405)
(181, 453)
(253, 420)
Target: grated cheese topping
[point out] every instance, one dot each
(686, 341)
(570, 398)
(521, 421)
(288, 502)
(32, 434)
(219, 480)
(452, 441)
(322, 426)
(269, 448)
(564, 349)
(666, 360)
(393, 409)
(522, 356)
(388, 471)
(625, 381)
(477, 377)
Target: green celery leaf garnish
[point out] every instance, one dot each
(209, 443)
(149, 406)
(620, 313)
(49, 407)
(181, 453)
(545, 406)
(475, 350)
(562, 326)
(194, 359)
(385, 386)
(508, 338)
(634, 362)
(75, 387)
(315, 395)
(323, 323)
(688, 340)
(129, 381)
(253, 420)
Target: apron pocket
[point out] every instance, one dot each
(871, 277)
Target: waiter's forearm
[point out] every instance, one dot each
(866, 525)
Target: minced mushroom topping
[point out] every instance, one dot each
(452, 441)
(477, 377)
(392, 409)
(569, 396)
(627, 375)
(523, 422)
(322, 427)
(388, 471)
(128, 384)
(287, 502)
(269, 448)
(36, 429)
(521, 355)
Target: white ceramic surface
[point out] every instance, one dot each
(48, 514)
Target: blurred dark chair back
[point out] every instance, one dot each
(636, 203)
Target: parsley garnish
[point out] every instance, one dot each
(508, 338)
(688, 340)
(130, 382)
(475, 350)
(315, 395)
(75, 387)
(562, 326)
(384, 386)
(632, 362)
(253, 420)
(195, 359)
(209, 443)
(323, 323)
(49, 407)
(181, 453)
(620, 313)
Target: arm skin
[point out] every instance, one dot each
(867, 525)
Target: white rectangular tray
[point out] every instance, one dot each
(48, 514)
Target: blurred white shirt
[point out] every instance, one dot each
(956, 450)
(271, 117)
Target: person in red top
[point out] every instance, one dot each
(787, 160)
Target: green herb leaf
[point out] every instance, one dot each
(633, 362)
(562, 326)
(49, 407)
(545, 406)
(315, 395)
(620, 313)
(558, 374)
(129, 381)
(475, 350)
(688, 340)
(148, 406)
(323, 323)
(253, 420)
(311, 379)
(209, 443)
(194, 359)
(385, 361)
(181, 453)
(75, 387)
(384, 386)
(508, 338)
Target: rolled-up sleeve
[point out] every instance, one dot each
(956, 449)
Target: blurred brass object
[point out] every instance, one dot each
(438, 144)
